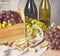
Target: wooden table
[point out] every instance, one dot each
(52, 53)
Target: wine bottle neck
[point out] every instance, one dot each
(30, 0)
(45, 0)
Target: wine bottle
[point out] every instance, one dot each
(45, 12)
(30, 9)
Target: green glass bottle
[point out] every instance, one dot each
(45, 12)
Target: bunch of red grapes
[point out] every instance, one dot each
(53, 36)
(10, 16)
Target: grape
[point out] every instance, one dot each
(8, 12)
(50, 33)
(50, 43)
(21, 21)
(54, 38)
(10, 24)
(57, 36)
(32, 22)
(1, 16)
(12, 15)
(55, 48)
(4, 22)
(4, 16)
(3, 12)
(5, 19)
(52, 47)
(51, 36)
(57, 43)
(54, 41)
(9, 21)
(54, 30)
(7, 16)
(12, 19)
(49, 39)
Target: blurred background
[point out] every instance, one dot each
(55, 8)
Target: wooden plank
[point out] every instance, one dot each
(52, 53)
(13, 32)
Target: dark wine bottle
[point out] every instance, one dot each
(30, 9)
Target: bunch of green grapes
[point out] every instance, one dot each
(31, 26)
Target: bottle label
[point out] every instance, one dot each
(44, 15)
